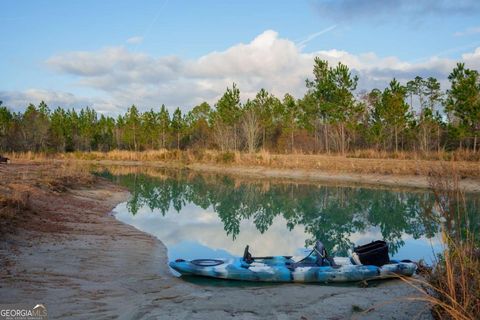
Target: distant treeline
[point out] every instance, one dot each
(416, 116)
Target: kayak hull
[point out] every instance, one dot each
(278, 269)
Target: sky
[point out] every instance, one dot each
(111, 54)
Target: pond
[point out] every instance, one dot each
(211, 215)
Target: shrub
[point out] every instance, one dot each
(226, 157)
(453, 284)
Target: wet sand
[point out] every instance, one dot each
(71, 254)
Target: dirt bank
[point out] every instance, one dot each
(68, 252)
(468, 184)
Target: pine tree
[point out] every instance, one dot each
(464, 99)
(177, 125)
(132, 126)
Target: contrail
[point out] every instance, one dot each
(147, 30)
(309, 38)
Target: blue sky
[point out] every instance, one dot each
(111, 54)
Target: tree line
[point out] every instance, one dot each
(331, 117)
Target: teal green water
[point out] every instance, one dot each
(210, 216)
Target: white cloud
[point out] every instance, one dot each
(115, 64)
(135, 40)
(467, 32)
(472, 59)
(277, 64)
(18, 100)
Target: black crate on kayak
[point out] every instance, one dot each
(374, 253)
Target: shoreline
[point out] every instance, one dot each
(415, 182)
(469, 185)
(71, 253)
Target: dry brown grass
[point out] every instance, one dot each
(452, 287)
(370, 162)
(457, 155)
(14, 198)
(66, 176)
(20, 183)
(31, 156)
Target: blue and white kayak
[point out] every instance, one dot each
(284, 269)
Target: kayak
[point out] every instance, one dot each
(285, 269)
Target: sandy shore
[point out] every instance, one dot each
(471, 185)
(71, 254)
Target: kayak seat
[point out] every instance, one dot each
(318, 257)
(247, 256)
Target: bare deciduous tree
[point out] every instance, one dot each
(251, 129)
(224, 136)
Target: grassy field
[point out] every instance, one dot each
(466, 164)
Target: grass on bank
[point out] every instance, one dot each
(199, 154)
(21, 184)
(365, 162)
(452, 286)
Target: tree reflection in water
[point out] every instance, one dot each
(329, 213)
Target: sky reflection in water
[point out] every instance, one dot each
(199, 216)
